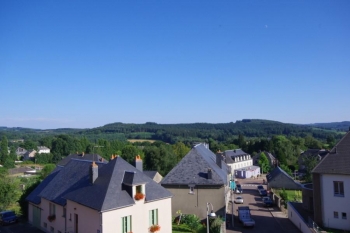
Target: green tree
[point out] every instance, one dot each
(310, 163)
(180, 150)
(22, 200)
(3, 150)
(264, 163)
(192, 221)
(286, 169)
(129, 153)
(47, 170)
(7, 192)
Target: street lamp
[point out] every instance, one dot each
(212, 215)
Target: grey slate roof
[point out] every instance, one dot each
(275, 172)
(72, 183)
(337, 161)
(193, 168)
(89, 157)
(231, 154)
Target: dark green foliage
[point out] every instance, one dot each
(7, 192)
(310, 163)
(47, 170)
(215, 225)
(22, 200)
(3, 150)
(264, 163)
(192, 221)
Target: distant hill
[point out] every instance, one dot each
(251, 128)
(339, 126)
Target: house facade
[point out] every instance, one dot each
(238, 159)
(30, 154)
(43, 149)
(331, 187)
(85, 196)
(201, 177)
(279, 179)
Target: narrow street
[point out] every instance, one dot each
(266, 219)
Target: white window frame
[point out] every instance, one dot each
(153, 217)
(338, 188)
(126, 224)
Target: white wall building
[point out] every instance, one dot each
(237, 159)
(43, 149)
(331, 187)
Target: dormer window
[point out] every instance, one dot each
(191, 185)
(139, 195)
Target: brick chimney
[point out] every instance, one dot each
(138, 163)
(93, 172)
(218, 158)
(210, 174)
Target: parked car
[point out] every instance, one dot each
(267, 201)
(7, 217)
(238, 189)
(260, 187)
(263, 192)
(238, 200)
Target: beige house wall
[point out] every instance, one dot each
(112, 220)
(196, 202)
(57, 224)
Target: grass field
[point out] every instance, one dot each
(140, 140)
(292, 194)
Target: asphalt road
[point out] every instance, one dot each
(267, 220)
(21, 227)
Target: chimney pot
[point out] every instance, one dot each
(93, 172)
(210, 174)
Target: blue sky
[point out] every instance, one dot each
(83, 64)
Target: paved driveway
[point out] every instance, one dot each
(266, 219)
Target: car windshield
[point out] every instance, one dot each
(260, 187)
(238, 197)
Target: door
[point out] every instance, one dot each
(76, 223)
(36, 216)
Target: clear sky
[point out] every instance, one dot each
(86, 63)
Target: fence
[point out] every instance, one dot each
(314, 226)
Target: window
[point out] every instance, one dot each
(343, 215)
(191, 190)
(126, 224)
(45, 224)
(52, 209)
(52, 229)
(64, 212)
(139, 189)
(335, 214)
(153, 217)
(338, 188)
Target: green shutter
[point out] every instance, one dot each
(150, 218)
(156, 216)
(129, 223)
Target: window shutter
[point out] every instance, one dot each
(150, 218)
(156, 216)
(129, 223)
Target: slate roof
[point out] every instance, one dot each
(337, 161)
(315, 152)
(193, 168)
(72, 182)
(89, 157)
(276, 172)
(231, 154)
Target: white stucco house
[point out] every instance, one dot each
(43, 150)
(99, 197)
(331, 187)
(237, 159)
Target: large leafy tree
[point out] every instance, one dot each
(3, 150)
(264, 163)
(180, 150)
(7, 190)
(310, 163)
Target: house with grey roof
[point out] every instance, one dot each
(99, 196)
(331, 187)
(317, 154)
(201, 177)
(81, 156)
(239, 162)
(279, 179)
(20, 151)
(29, 155)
